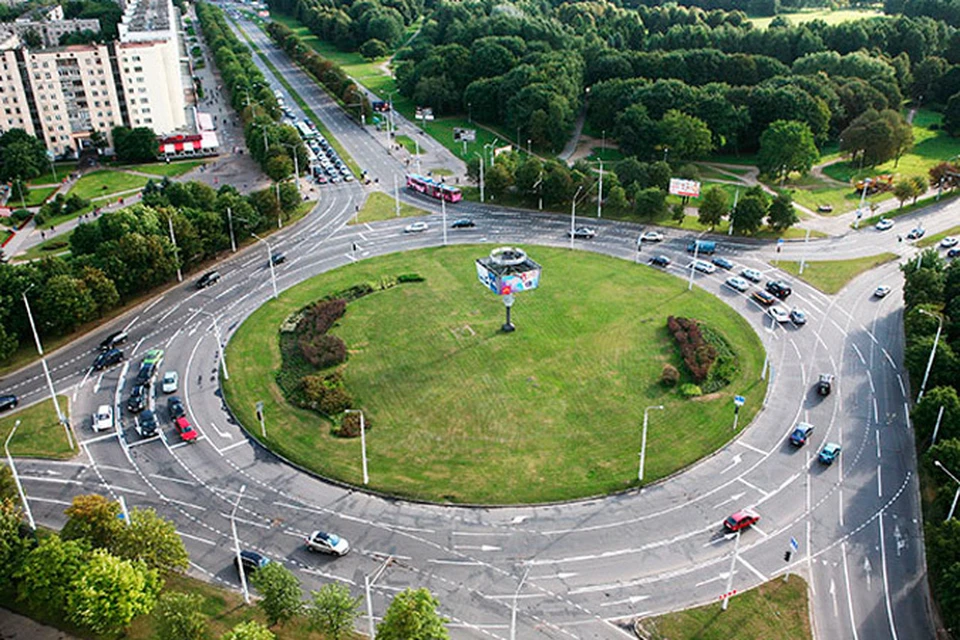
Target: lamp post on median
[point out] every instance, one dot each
(273, 274)
(956, 495)
(643, 440)
(16, 477)
(933, 351)
(46, 370)
(481, 173)
(363, 444)
(296, 165)
(573, 216)
(236, 546)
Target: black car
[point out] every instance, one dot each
(953, 253)
(148, 424)
(107, 358)
(137, 401)
(463, 223)
(208, 279)
(723, 263)
(278, 258)
(146, 373)
(252, 560)
(779, 288)
(824, 384)
(175, 407)
(8, 402)
(660, 261)
(112, 340)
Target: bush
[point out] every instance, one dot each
(697, 353)
(326, 394)
(19, 215)
(323, 351)
(373, 48)
(690, 390)
(669, 377)
(727, 364)
(350, 425)
(410, 277)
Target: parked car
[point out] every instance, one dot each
(763, 298)
(103, 418)
(327, 543)
(741, 520)
(175, 407)
(752, 275)
(953, 253)
(650, 236)
(948, 242)
(882, 291)
(137, 401)
(112, 340)
(107, 358)
(883, 224)
(779, 314)
(825, 384)
(208, 279)
(660, 261)
(739, 284)
(171, 381)
(463, 223)
(148, 424)
(8, 402)
(723, 263)
(829, 453)
(416, 227)
(583, 232)
(801, 433)
(916, 233)
(251, 561)
(703, 266)
(798, 316)
(779, 288)
(185, 429)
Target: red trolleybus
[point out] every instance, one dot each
(433, 189)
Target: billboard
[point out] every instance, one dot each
(686, 188)
(424, 113)
(518, 282)
(487, 277)
(498, 150)
(464, 135)
(508, 278)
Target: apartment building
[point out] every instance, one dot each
(63, 94)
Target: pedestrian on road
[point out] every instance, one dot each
(43, 236)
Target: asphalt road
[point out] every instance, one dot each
(577, 570)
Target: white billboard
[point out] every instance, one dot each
(686, 188)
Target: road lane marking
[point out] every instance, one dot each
(886, 584)
(877, 433)
(879, 482)
(846, 579)
(873, 389)
(754, 487)
(190, 537)
(752, 568)
(170, 479)
(751, 447)
(630, 600)
(231, 446)
(859, 355)
(903, 389)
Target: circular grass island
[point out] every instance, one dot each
(463, 413)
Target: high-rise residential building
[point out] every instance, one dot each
(63, 94)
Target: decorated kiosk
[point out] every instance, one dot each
(506, 272)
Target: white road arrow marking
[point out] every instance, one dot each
(732, 498)
(518, 519)
(630, 600)
(833, 594)
(483, 547)
(222, 434)
(867, 569)
(736, 460)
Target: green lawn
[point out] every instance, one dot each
(812, 192)
(62, 169)
(607, 154)
(774, 610)
(39, 435)
(171, 170)
(52, 247)
(104, 182)
(34, 197)
(910, 208)
(929, 241)
(380, 206)
(830, 276)
(464, 413)
(408, 143)
(829, 16)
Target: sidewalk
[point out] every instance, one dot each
(13, 626)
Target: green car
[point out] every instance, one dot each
(154, 357)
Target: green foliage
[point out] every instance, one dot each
(690, 390)
(13, 547)
(251, 630)
(727, 365)
(92, 518)
(8, 488)
(877, 136)
(412, 615)
(108, 592)
(787, 146)
(152, 540)
(280, 591)
(714, 206)
(46, 574)
(924, 414)
(782, 215)
(22, 156)
(179, 618)
(687, 137)
(135, 145)
(333, 610)
(749, 213)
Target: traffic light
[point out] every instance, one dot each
(786, 556)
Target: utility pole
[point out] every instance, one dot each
(176, 249)
(233, 241)
(396, 195)
(236, 546)
(46, 370)
(481, 177)
(16, 477)
(573, 215)
(600, 192)
(443, 213)
(273, 274)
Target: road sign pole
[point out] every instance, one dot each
(738, 401)
(263, 424)
(733, 566)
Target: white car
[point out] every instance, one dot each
(948, 242)
(739, 284)
(650, 236)
(583, 233)
(171, 381)
(881, 291)
(779, 314)
(752, 275)
(883, 224)
(327, 543)
(703, 266)
(103, 418)
(416, 227)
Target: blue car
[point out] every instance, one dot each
(801, 434)
(723, 263)
(829, 453)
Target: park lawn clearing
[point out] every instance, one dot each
(34, 197)
(434, 375)
(168, 170)
(105, 182)
(40, 435)
(775, 609)
(831, 17)
(830, 276)
(380, 206)
(929, 241)
(62, 170)
(56, 246)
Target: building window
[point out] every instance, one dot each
(148, 120)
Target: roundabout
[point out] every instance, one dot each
(462, 412)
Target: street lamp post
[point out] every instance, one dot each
(236, 546)
(16, 477)
(176, 249)
(273, 274)
(296, 165)
(233, 240)
(953, 506)
(573, 215)
(600, 192)
(481, 173)
(933, 351)
(363, 444)
(443, 213)
(216, 330)
(733, 566)
(513, 611)
(643, 440)
(46, 370)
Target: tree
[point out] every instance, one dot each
(650, 202)
(13, 547)
(93, 518)
(749, 213)
(787, 146)
(8, 488)
(179, 618)
(919, 187)
(687, 137)
(924, 414)
(951, 115)
(877, 136)
(280, 590)
(412, 615)
(498, 179)
(108, 592)
(713, 207)
(135, 145)
(21, 155)
(44, 578)
(904, 190)
(917, 355)
(278, 167)
(678, 212)
(251, 630)
(152, 540)
(782, 215)
(617, 199)
(65, 304)
(333, 611)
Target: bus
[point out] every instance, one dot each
(305, 131)
(433, 189)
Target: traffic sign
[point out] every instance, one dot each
(794, 544)
(779, 240)
(739, 400)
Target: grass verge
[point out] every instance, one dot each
(105, 182)
(775, 609)
(169, 170)
(380, 206)
(910, 208)
(432, 372)
(61, 169)
(40, 435)
(929, 241)
(57, 246)
(34, 198)
(830, 276)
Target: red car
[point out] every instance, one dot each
(741, 520)
(185, 429)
